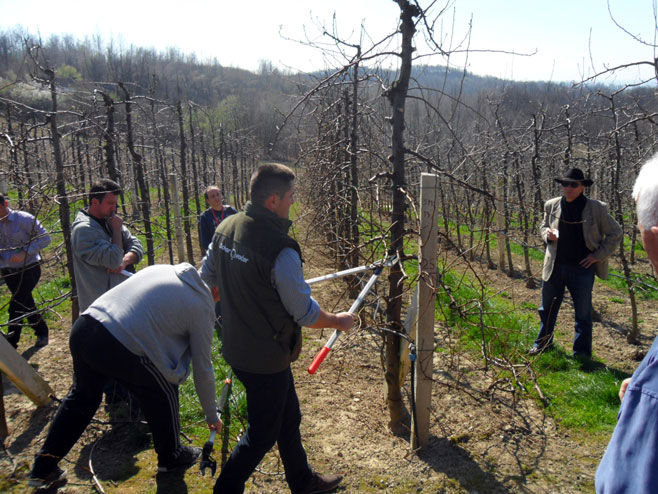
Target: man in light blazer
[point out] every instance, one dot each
(580, 235)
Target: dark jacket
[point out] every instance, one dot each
(601, 232)
(258, 333)
(208, 222)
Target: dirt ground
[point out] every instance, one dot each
(480, 442)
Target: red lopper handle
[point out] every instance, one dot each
(318, 359)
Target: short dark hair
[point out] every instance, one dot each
(103, 187)
(268, 179)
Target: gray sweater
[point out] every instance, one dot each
(165, 313)
(93, 254)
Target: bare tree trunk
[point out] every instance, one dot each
(195, 175)
(507, 214)
(26, 157)
(145, 197)
(523, 213)
(487, 218)
(634, 231)
(63, 200)
(234, 174)
(243, 170)
(108, 135)
(354, 173)
(536, 169)
(222, 156)
(634, 334)
(204, 162)
(163, 172)
(397, 95)
(186, 195)
(13, 153)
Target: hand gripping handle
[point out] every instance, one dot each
(355, 306)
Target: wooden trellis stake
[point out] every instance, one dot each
(429, 188)
(23, 375)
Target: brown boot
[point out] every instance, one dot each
(322, 483)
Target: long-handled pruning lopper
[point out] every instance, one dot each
(207, 461)
(377, 268)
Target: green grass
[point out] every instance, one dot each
(480, 237)
(581, 395)
(646, 286)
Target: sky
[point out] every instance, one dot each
(556, 40)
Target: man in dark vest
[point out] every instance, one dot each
(580, 235)
(257, 269)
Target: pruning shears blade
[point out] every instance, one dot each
(207, 461)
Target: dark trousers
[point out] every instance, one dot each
(21, 282)
(97, 356)
(580, 282)
(273, 417)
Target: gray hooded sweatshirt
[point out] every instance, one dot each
(165, 313)
(94, 253)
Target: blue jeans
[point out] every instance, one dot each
(580, 282)
(273, 417)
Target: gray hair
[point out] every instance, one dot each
(645, 193)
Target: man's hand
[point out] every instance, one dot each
(344, 321)
(128, 259)
(623, 387)
(115, 222)
(117, 270)
(588, 261)
(18, 257)
(216, 427)
(552, 235)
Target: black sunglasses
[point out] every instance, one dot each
(573, 185)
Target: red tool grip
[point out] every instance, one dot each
(318, 359)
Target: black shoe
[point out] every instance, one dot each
(56, 478)
(183, 458)
(322, 483)
(41, 341)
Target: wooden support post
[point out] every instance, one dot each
(23, 375)
(429, 188)
(178, 224)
